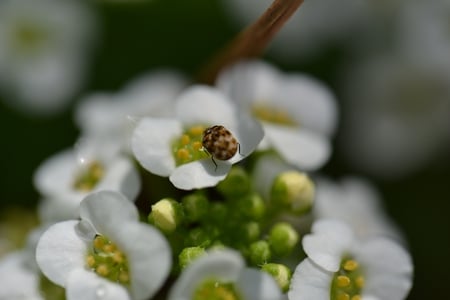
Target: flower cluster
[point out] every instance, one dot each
(187, 191)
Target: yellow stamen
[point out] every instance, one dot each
(343, 296)
(185, 139)
(183, 154)
(109, 248)
(90, 260)
(360, 282)
(102, 270)
(118, 257)
(99, 242)
(124, 277)
(343, 281)
(196, 130)
(197, 146)
(350, 265)
(356, 297)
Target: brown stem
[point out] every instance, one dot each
(252, 41)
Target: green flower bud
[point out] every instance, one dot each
(280, 273)
(251, 206)
(195, 206)
(198, 237)
(166, 214)
(236, 184)
(283, 238)
(294, 191)
(251, 231)
(259, 253)
(188, 255)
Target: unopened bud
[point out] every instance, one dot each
(294, 191)
(166, 215)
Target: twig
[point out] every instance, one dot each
(252, 41)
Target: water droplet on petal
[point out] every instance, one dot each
(100, 292)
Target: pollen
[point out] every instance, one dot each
(197, 146)
(107, 260)
(273, 115)
(343, 281)
(357, 297)
(343, 296)
(350, 265)
(185, 139)
(183, 154)
(88, 178)
(196, 130)
(187, 147)
(359, 282)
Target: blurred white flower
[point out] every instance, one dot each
(315, 25)
(298, 113)
(112, 116)
(223, 272)
(340, 266)
(108, 254)
(356, 202)
(172, 147)
(396, 115)
(64, 179)
(429, 20)
(44, 47)
(19, 280)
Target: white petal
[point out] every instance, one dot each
(55, 175)
(328, 242)
(60, 251)
(122, 176)
(86, 285)
(106, 209)
(223, 265)
(249, 81)
(309, 102)
(205, 105)
(299, 147)
(149, 257)
(310, 282)
(257, 285)
(151, 143)
(200, 174)
(249, 133)
(17, 280)
(388, 268)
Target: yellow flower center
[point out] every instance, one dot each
(108, 261)
(348, 281)
(89, 177)
(29, 37)
(188, 147)
(216, 290)
(274, 115)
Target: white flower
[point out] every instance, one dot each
(218, 269)
(338, 264)
(306, 34)
(162, 145)
(356, 202)
(43, 47)
(109, 240)
(298, 113)
(67, 177)
(18, 280)
(430, 21)
(110, 116)
(397, 115)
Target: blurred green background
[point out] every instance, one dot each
(183, 34)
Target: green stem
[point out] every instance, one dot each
(252, 41)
